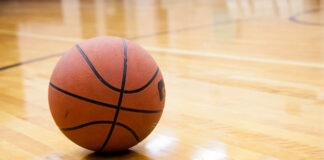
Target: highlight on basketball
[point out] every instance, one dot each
(162, 79)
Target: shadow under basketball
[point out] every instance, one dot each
(126, 154)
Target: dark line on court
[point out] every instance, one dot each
(120, 97)
(131, 38)
(294, 18)
(146, 85)
(102, 122)
(101, 103)
(29, 61)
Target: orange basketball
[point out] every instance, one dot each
(106, 94)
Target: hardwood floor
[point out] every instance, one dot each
(244, 78)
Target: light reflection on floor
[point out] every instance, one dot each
(160, 145)
(216, 152)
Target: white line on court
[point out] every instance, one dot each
(231, 57)
(175, 51)
(41, 36)
(272, 82)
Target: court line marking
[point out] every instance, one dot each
(299, 87)
(71, 39)
(30, 61)
(41, 36)
(273, 82)
(176, 51)
(294, 18)
(232, 57)
(166, 32)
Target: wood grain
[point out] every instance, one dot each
(244, 79)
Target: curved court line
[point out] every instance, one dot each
(101, 122)
(294, 18)
(101, 103)
(102, 80)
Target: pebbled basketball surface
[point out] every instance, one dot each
(106, 94)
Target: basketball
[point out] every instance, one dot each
(106, 94)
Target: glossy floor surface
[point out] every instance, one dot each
(244, 78)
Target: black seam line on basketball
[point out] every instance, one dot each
(146, 85)
(95, 71)
(85, 125)
(120, 97)
(101, 122)
(101, 103)
(83, 98)
(141, 111)
(106, 83)
(129, 129)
